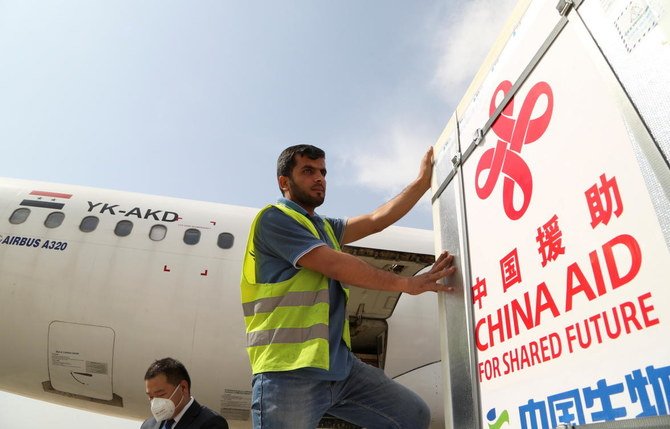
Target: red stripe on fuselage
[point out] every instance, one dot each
(50, 194)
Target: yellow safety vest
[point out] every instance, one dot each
(287, 322)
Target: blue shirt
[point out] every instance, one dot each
(280, 242)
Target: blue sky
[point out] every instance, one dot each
(196, 99)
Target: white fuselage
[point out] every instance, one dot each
(83, 314)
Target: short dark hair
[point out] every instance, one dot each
(286, 160)
(174, 370)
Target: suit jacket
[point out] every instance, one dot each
(196, 417)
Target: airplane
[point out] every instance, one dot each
(97, 284)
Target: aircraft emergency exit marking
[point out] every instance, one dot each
(113, 209)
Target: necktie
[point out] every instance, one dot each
(169, 423)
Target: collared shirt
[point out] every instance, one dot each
(280, 242)
(181, 414)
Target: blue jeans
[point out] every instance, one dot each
(367, 398)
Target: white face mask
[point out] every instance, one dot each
(162, 408)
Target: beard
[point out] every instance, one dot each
(303, 198)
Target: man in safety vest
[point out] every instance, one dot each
(295, 306)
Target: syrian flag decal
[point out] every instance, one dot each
(46, 199)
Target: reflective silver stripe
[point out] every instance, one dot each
(291, 299)
(287, 335)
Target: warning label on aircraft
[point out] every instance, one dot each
(67, 359)
(96, 367)
(235, 404)
(73, 360)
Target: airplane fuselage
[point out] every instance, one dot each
(96, 284)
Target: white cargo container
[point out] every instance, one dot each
(552, 187)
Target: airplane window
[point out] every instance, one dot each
(225, 240)
(191, 236)
(19, 216)
(54, 219)
(123, 228)
(89, 223)
(157, 232)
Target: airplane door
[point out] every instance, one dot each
(80, 359)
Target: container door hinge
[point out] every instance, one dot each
(565, 6)
(478, 137)
(456, 160)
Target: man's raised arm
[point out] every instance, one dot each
(390, 212)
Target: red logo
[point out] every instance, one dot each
(515, 133)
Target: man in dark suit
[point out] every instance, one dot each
(168, 386)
